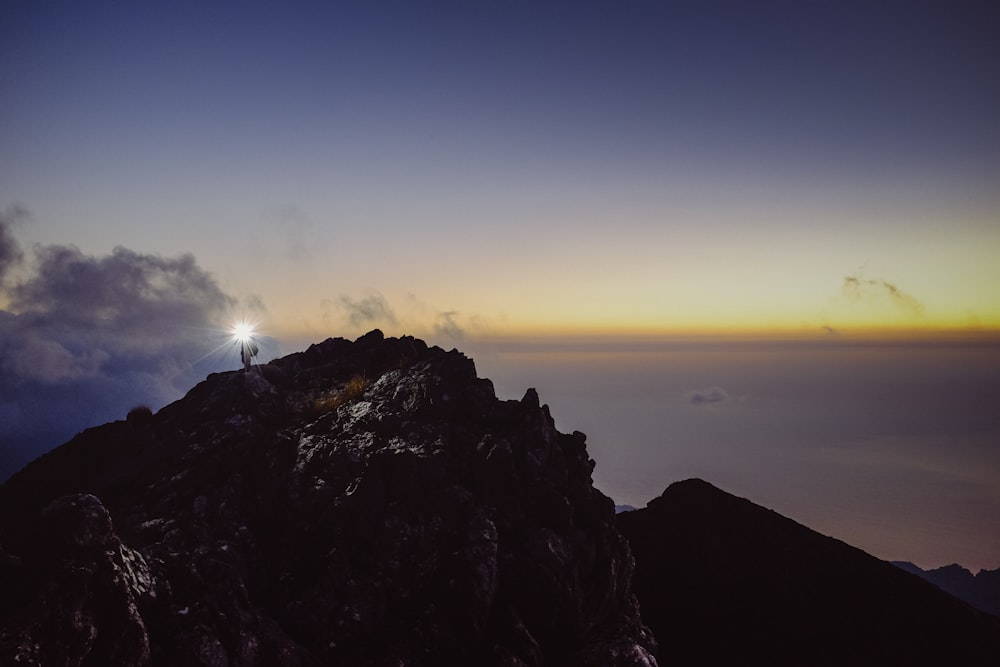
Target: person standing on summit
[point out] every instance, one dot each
(243, 334)
(248, 350)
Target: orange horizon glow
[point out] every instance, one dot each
(584, 333)
(748, 333)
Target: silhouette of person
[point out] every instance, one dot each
(248, 350)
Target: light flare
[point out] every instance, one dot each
(243, 332)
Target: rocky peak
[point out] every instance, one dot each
(358, 503)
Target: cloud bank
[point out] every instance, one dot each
(83, 339)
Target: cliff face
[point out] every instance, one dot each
(360, 503)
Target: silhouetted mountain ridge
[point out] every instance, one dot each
(981, 590)
(721, 580)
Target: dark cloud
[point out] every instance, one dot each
(707, 396)
(447, 326)
(130, 293)
(372, 309)
(857, 287)
(10, 249)
(86, 338)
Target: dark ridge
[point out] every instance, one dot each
(981, 590)
(723, 581)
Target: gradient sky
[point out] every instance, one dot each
(524, 166)
(483, 173)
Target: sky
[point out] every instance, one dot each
(811, 177)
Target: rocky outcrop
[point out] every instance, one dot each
(359, 503)
(84, 604)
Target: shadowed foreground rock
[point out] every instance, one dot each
(365, 503)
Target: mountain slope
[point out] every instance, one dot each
(360, 503)
(723, 581)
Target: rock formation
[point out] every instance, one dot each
(359, 503)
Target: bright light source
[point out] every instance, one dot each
(243, 332)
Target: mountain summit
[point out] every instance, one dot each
(359, 503)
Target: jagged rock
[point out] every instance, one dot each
(365, 503)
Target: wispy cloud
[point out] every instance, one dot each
(254, 303)
(858, 287)
(369, 310)
(409, 315)
(448, 326)
(709, 396)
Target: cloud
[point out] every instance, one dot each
(857, 287)
(85, 338)
(135, 295)
(707, 396)
(10, 249)
(447, 326)
(408, 315)
(369, 310)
